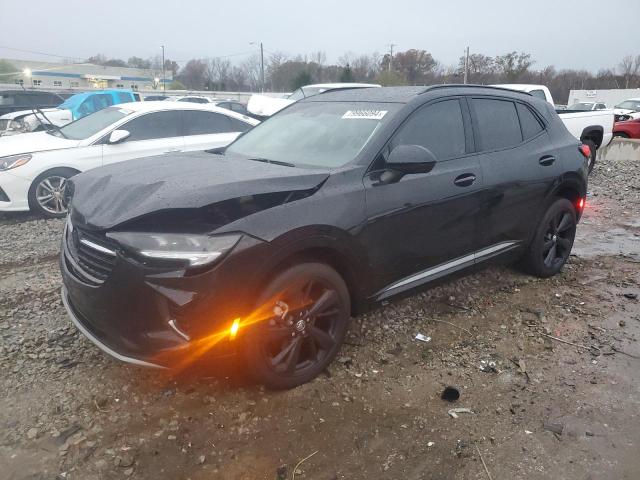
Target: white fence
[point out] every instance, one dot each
(609, 97)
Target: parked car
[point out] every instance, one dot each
(342, 200)
(34, 167)
(189, 98)
(586, 106)
(13, 100)
(73, 108)
(155, 98)
(627, 110)
(593, 128)
(264, 106)
(627, 129)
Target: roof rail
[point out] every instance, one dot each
(471, 85)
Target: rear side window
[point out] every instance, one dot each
(528, 121)
(538, 94)
(123, 97)
(498, 123)
(438, 127)
(238, 126)
(154, 125)
(205, 123)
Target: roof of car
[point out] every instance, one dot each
(402, 94)
(158, 105)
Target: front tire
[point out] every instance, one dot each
(553, 239)
(302, 319)
(47, 195)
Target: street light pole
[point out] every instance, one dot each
(164, 78)
(262, 67)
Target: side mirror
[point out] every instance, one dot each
(118, 136)
(411, 159)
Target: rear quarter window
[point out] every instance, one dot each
(497, 123)
(529, 122)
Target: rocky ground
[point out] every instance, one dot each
(549, 370)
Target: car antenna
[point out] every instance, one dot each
(37, 110)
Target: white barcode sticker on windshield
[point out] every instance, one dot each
(365, 114)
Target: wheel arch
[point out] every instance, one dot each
(595, 133)
(330, 250)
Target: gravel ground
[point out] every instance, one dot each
(540, 408)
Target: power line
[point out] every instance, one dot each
(38, 53)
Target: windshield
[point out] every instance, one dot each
(581, 106)
(630, 105)
(322, 134)
(91, 124)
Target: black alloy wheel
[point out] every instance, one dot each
(306, 313)
(553, 239)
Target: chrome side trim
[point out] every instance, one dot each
(97, 247)
(472, 257)
(431, 272)
(97, 342)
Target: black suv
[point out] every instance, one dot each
(338, 201)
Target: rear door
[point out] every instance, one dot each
(153, 133)
(424, 225)
(518, 165)
(205, 130)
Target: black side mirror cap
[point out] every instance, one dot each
(411, 159)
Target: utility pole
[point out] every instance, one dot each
(391, 54)
(466, 65)
(262, 67)
(164, 78)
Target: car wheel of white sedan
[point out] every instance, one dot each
(47, 193)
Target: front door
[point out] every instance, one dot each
(424, 225)
(150, 134)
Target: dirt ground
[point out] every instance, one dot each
(545, 409)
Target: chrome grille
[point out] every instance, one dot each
(89, 256)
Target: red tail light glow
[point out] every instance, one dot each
(585, 150)
(581, 203)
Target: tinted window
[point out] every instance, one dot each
(497, 123)
(438, 127)
(238, 126)
(123, 97)
(204, 123)
(154, 125)
(238, 107)
(194, 100)
(528, 121)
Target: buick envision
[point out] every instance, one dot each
(341, 200)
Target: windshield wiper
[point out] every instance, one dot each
(275, 162)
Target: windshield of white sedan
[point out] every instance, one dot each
(91, 124)
(322, 134)
(630, 105)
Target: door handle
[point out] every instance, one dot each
(173, 150)
(547, 160)
(465, 179)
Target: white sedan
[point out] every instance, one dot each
(34, 167)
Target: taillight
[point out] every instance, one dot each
(585, 150)
(581, 203)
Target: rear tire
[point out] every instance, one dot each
(553, 239)
(47, 193)
(594, 153)
(303, 317)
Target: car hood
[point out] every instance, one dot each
(33, 142)
(220, 185)
(623, 111)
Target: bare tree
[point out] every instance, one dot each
(513, 65)
(629, 67)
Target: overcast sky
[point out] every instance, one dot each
(586, 34)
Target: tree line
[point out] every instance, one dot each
(284, 73)
(410, 67)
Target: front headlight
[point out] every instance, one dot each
(192, 249)
(13, 161)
